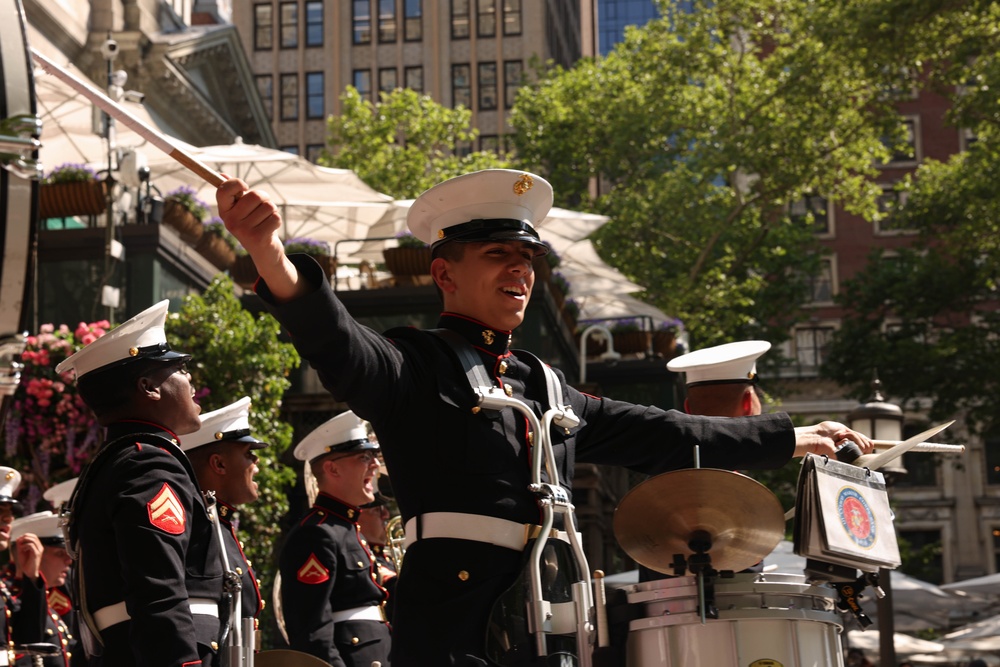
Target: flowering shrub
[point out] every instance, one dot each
(622, 325)
(673, 325)
(185, 196)
(307, 246)
(71, 173)
(217, 227)
(50, 432)
(408, 240)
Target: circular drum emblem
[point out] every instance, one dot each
(856, 517)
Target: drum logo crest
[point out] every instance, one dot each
(856, 517)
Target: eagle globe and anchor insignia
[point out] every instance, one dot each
(856, 517)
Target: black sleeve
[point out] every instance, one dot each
(27, 619)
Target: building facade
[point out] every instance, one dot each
(304, 53)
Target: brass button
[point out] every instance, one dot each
(507, 389)
(350, 514)
(531, 437)
(463, 575)
(503, 367)
(360, 564)
(239, 571)
(355, 640)
(215, 646)
(48, 631)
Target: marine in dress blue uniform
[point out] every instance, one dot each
(22, 602)
(461, 475)
(149, 579)
(222, 453)
(54, 567)
(332, 602)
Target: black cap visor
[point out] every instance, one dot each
(494, 229)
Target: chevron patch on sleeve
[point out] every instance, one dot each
(313, 572)
(166, 512)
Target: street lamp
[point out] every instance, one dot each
(608, 355)
(881, 420)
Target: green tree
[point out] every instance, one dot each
(703, 127)
(236, 354)
(403, 144)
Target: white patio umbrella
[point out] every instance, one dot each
(905, 644)
(316, 202)
(71, 127)
(986, 585)
(982, 635)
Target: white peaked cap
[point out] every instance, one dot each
(230, 424)
(43, 524)
(10, 479)
(731, 362)
(61, 492)
(496, 197)
(141, 337)
(344, 433)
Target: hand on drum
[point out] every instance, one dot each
(826, 438)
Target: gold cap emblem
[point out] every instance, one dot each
(440, 233)
(523, 184)
(219, 435)
(133, 351)
(10, 473)
(488, 336)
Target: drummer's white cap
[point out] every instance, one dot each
(228, 424)
(10, 479)
(43, 524)
(722, 364)
(344, 433)
(61, 492)
(488, 205)
(141, 337)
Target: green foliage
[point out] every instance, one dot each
(704, 127)
(186, 197)
(217, 227)
(71, 173)
(236, 354)
(403, 144)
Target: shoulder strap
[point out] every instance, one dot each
(553, 390)
(467, 357)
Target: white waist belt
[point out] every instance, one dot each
(4, 656)
(369, 613)
(114, 614)
(475, 527)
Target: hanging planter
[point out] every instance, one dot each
(216, 244)
(71, 189)
(408, 261)
(183, 211)
(632, 342)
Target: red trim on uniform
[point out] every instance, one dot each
(596, 398)
(193, 662)
(475, 321)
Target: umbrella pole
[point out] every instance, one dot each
(886, 622)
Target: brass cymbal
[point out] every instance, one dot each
(660, 516)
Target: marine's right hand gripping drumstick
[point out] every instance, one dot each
(119, 113)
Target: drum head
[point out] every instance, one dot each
(287, 658)
(658, 519)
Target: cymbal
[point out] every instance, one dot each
(660, 516)
(287, 658)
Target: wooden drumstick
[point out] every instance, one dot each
(119, 113)
(601, 610)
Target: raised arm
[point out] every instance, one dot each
(253, 219)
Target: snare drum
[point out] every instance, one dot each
(765, 620)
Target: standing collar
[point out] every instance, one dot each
(129, 426)
(479, 335)
(325, 501)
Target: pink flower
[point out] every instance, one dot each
(88, 338)
(46, 328)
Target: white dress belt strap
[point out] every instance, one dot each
(114, 614)
(475, 527)
(369, 613)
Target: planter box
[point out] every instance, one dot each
(244, 273)
(665, 344)
(632, 342)
(61, 200)
(215, 249)
(408, 261)
(181, 219)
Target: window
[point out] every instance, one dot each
(362, 21)
(386, 21)
(314, 24)
(818, 208)
(294, 150)
(489, 142)
(487, 86)
(486, 18)
(413, 23)
(925, 549)
(810, 347)
(289, 25)
(414, 78)
(463, 148)
(263, 27)
(289, 97)
(387, 79)
(461, 86)
(822, 286)
(890, 201)
(362, 79)
(991, 444)
(513, 72)
(512, 17)
(459, 19)
(265, 87)
(908, 151)
(314, 152)
(315, 103)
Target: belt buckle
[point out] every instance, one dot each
(531, 531)
(381, 611)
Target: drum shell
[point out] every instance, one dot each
(765, 620)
